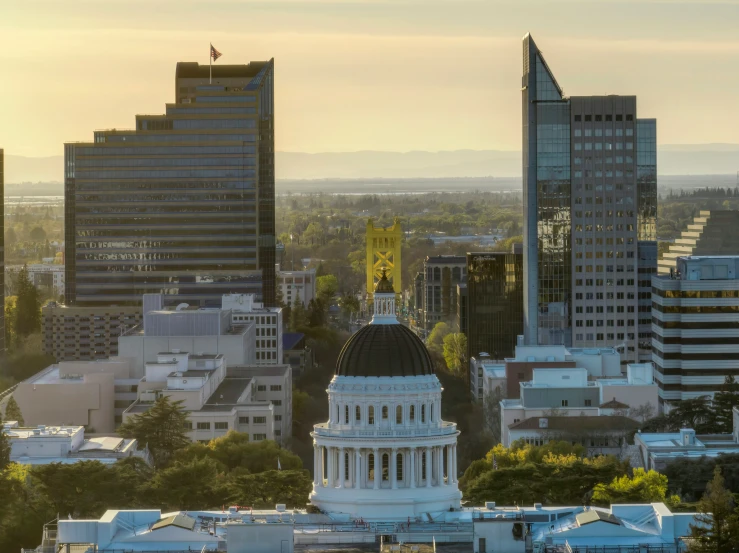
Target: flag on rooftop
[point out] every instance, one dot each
(214, 54)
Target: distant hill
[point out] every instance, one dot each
(673, 159)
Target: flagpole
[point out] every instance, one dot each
(210, 60)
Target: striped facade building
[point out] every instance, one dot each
(182, 204)
(695, 327)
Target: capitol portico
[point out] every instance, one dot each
(385, 452)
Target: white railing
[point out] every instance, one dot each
(447, 429)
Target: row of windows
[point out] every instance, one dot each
(607, 213)
(603, 146)
(599, 268)
(600, 254)
(266, 355)
(607, 336)
(607, 117)
(605, 228)
(606, 282)
(598, 241)
(608, 308)
(385, 413)
(603, 132)
(601, 323)
(245, 420)
(708, 294)
(695, 308)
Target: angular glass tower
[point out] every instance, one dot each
(184, 203)
(590, 207)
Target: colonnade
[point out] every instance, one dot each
(377, 467)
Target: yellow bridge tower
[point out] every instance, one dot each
(383, 252)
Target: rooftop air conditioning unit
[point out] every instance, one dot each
(537, 505)
(543, 423)
(280, 507)
(490, 505)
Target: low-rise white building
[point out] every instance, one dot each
(642, 528)
(566, 398)
(43, 445)
(250, 399)
(268, 322)
(297, 284)
(46, 275)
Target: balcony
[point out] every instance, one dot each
(446, 429)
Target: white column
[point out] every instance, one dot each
(329, 467)
(316, 465)
(357, 468)
(394, 469)
(454, 460)
(440, 456)
(341, 467)
(378, 466)
(412, 466)
(428, 467)
(449, 465)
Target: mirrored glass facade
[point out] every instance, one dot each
(494, 303)
(590, 208)
(182, 205)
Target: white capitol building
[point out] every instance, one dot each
(385, 453)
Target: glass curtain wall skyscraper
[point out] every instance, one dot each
(589, 186)
(184, 203)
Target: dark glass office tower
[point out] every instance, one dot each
(590, 205)
(547, 202)
(494, 303)
(184, 203)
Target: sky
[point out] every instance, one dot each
(391, 75)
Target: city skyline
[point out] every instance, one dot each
(349, 72)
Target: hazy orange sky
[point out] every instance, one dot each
(353, 75)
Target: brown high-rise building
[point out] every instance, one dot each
(183, 204)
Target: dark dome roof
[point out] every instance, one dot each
(384, 350)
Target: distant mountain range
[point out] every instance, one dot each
(673, 159)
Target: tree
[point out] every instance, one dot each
(38, 234)
(349, 305)
(455, 352)
(723, 403)
(27, 306)
(491, 412)
(298, 315)
(641, 487)
(326, 288)
(717, 530)
(4, 447)
(235, 451)
(162, 428)
(189, 485)
(13, 412)
(266, 489)
(642, 413)
(435, 340)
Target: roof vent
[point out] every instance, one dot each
(543, 423)
(280, 507)
(537, 506)
(490, 505)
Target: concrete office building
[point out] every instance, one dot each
(251, 400)
(181, 205)
(297, 284)
(590, 197)
(711, 233)
(695, 316)
(566, 397)
(93, 394)
(268, 322)
(487, 373)
(188, 329)
(85, 333)
(442, 273)
(494, 303)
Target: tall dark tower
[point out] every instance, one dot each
(184, 203)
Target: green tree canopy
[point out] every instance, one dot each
(38, 234)
(642, 487)
(193, 484)
(4, 446)
(13, 412)
(162, 428)
(717, 528)
(27, 306)
(266, 489)
(435, 341)
(455, 352)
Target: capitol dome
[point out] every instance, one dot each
(384, 350)
(385, 453)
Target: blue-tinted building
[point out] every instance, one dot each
(183, 204)
(590, 198)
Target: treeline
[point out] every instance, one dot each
(227, 471)
(717, 192)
